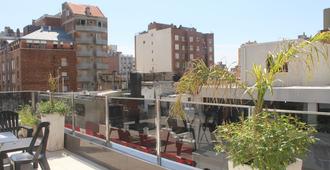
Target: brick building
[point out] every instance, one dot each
(168, 48)
(89, 29)
(25, 63)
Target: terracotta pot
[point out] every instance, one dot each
(294, 166)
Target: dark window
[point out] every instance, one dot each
(99, 24)
(82, 22)
(55, 46)
(270, 63)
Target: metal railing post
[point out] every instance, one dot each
(107, 137)
(157, 122)
(73, 113)
(250, 110)
(33, 101)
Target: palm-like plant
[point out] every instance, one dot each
(199, 75)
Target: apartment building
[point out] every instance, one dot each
(27, 61)
(89, 29)
(169, 48)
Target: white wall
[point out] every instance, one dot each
(157, 55)
(297, 75)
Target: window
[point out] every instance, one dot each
(191, 48)
(13, 64)
(64, 62)
(82, 22)
(65, 88)
(177, 47)
(191, 56)
(13, 78)
(210, 58)
(183, 47)
(210, 41)
(64, 74)
(176, 37)
(270, 62)
(210, 49)
(67, 13)
(177, 55)
(177, 65)
(183, 39)
(191, 39)
(99, 24)
(197, 48)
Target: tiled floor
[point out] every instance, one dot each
(65, 160)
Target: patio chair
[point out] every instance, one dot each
(9, 123)
(32, 155)
(179, 133)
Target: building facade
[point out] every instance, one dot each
(168, 48)
(27, 62)
(89, 29)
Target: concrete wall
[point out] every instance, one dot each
(154, 49)
(297, 75)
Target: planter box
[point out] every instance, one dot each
(294, 166)
(56, 131)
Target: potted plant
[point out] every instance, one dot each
(27, 118)
(53, 111)
(266, 140)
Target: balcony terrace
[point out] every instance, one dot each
(135, 133)
(59, 160)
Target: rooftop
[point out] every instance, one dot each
(79, 9)
(48, 33)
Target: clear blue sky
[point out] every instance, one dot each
(233, 21)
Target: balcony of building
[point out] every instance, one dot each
(83, 53)
(102, 66)
(84, 40)
(136, 133)
(101, 41)
(85, 78)
(84, 66)
(101, 53)
(91, 28)
(64, 159)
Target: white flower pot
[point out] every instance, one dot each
(294, 166)
(56, 131)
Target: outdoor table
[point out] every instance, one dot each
(10, 143)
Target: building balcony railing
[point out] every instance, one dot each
(121, 128)
(85, 79)
(84, 52)
(101, 53)
(84, 40)
(102, 66)
(101, 42)
(82, 66)
(91, 28)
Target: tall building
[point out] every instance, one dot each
(89, 29)
(27, 61)
(168, 48)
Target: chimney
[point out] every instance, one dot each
(326, 19)
(88, 11)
